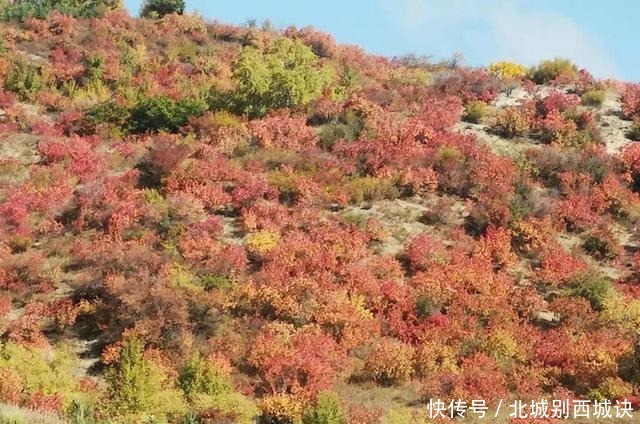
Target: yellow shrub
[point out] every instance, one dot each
(281, 409)
(502, 346)
(45, 370)
(507, 70)
(611, 388)
(475, 111)
(548, 70)
(434, 357)
(404, 415)
(625, 314)
(511, 122)
(262, 241)
(370, 188)
(390, 362)
(240, 407)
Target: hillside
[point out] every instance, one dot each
(204, 223)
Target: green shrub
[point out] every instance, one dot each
(231, 407)
(22, 9)
(602, 246)
(106, 113)
(348, 126)
(24, 79)
(370, 188)
(200, 376)
(131, 381)
(594, 288)
(285, 74)
(634, 131)
(475, 111)
(159, 8)
(163, 114)
(81, 413)
(548, 70)
(212, 282)
(41, 370)
(593, 97)
(327, 410)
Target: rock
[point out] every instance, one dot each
(546, 318)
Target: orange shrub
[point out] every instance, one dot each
(390, 362)
(511, 122)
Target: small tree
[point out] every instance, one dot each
(160, 8)
(163, 114)
(285, 74)
(327, 410)
(200, 376)
(130, 380)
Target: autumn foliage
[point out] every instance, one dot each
(249, 223)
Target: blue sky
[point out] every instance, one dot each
(599, 35)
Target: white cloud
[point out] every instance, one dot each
(523, 36)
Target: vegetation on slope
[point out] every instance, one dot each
(207, 222)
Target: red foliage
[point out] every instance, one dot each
(166, 153)
(78, 155)
(495, 244)
(11, 387)
(362, 415)
(5, 305)
(480, 378)
(45, 403)
(322, 44)
(576, 212)
(284, 131)
(631, 101)
(300, 362)
(424, 250)
(470, 84)
(67, 63)
(558, 267)
(27, 329)
(7, 99)
(557, 101)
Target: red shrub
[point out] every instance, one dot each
(495, 244)
(67, 63)
(300, 362)
(322, 44)
(576, 212)
(424, 251)
(470, 84)
(5, 305)
(284, 131)
(7, 99)
(480, 378)
(166, 153)
(11, 387)
(557, 101)
(558, 267)
(631, 101)
(45, 403)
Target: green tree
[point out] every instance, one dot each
(285, 74)
(327, 410)
(131, 380)
(163, 114)
(160, 8)
(200, 376)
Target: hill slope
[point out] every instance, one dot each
(200, 221)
